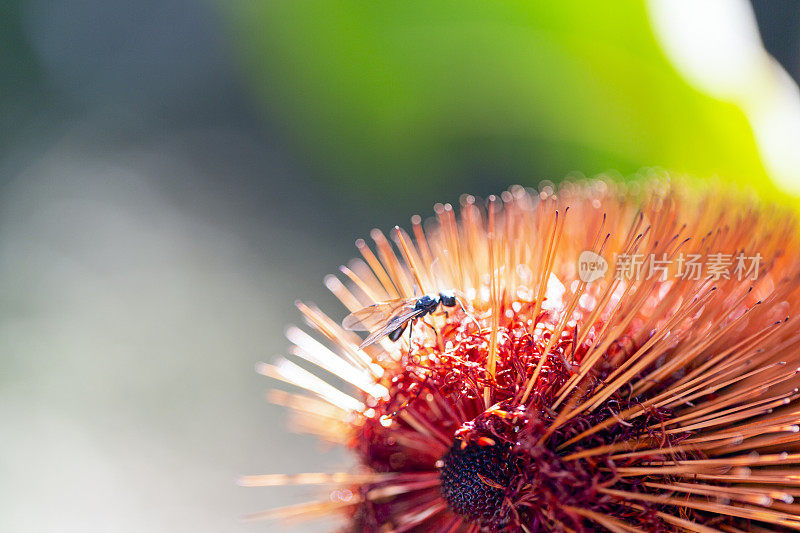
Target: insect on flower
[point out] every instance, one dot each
(644, 398)
(391, 318)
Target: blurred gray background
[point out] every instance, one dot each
(152, 243)
(155, 229)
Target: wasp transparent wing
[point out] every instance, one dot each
(377, 315)
(382, 318)
(396, 322)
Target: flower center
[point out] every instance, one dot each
(474, 479)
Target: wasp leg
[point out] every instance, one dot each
(472, 317)
(435, 331)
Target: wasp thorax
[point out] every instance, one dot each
(474, 481)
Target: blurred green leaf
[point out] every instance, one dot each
(475, 95)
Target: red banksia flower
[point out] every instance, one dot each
(620, 357)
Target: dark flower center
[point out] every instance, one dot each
(474, 480)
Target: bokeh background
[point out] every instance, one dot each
(174, 174)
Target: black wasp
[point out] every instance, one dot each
(391, 318)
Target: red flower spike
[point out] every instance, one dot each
(580, 381)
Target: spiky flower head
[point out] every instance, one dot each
(620, 357)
